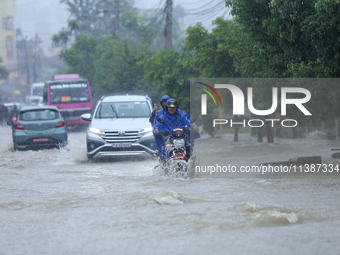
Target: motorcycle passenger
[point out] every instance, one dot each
(155, 114)
(173, 118)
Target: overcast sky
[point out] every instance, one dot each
(47, 17)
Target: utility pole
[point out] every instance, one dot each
(27, 65)
(35, 60)
(105, 11)
(168, 25)
(117, 25)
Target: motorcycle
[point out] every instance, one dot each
(177, 151)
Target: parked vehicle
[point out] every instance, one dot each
(38, 127)
(36, 94)
(12, 112)
(10, 106)
(177, 151)
(120, 127)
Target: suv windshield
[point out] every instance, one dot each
(123, 110)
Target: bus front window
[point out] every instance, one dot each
(74, 95)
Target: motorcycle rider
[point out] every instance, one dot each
(155, 115)
(173, 118)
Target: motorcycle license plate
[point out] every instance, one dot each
(38, 140)
(121, 145)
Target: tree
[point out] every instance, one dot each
(170, 72)
(211, 59)
(96, 17)
(80, 57)
(64, 36)
(99, 17)
(289, 39)
(116, 66)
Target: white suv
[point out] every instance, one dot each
(120, 127)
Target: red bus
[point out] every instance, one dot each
(71, 95)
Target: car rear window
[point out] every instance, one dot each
(40, 114)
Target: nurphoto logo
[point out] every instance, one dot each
(238, 107)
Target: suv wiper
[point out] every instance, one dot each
(114, 111)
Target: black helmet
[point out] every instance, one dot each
(172, 103)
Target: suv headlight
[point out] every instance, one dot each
(97, 131)
(144, 131)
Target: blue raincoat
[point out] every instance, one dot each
(158, 114)
(177, 120)
(164, 97)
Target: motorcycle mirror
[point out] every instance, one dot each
(160, 120)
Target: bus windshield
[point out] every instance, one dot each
(64, 93)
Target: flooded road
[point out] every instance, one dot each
(56, 202)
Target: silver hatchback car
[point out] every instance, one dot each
(120, 127)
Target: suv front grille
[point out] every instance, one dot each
(118, 137)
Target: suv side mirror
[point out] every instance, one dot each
(86, 116)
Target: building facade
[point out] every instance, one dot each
(8, 37)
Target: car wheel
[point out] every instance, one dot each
(15, 147)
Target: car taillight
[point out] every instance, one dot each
(14, 119)
(60, 124)
(18, 126)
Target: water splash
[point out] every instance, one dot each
(167, 197)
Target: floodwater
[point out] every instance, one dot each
(56, 202)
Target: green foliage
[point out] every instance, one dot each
(96, 17)
(110, 66)
(63, 36)
(211, 59)
(81, 55)
(135, 27)
(89, 18)
(170, 72)
(116, 69)
(286, 38)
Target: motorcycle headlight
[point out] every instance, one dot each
(179, 143)
(144, 131)
(97, 131)
(168, 147)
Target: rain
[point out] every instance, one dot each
(260, 81)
